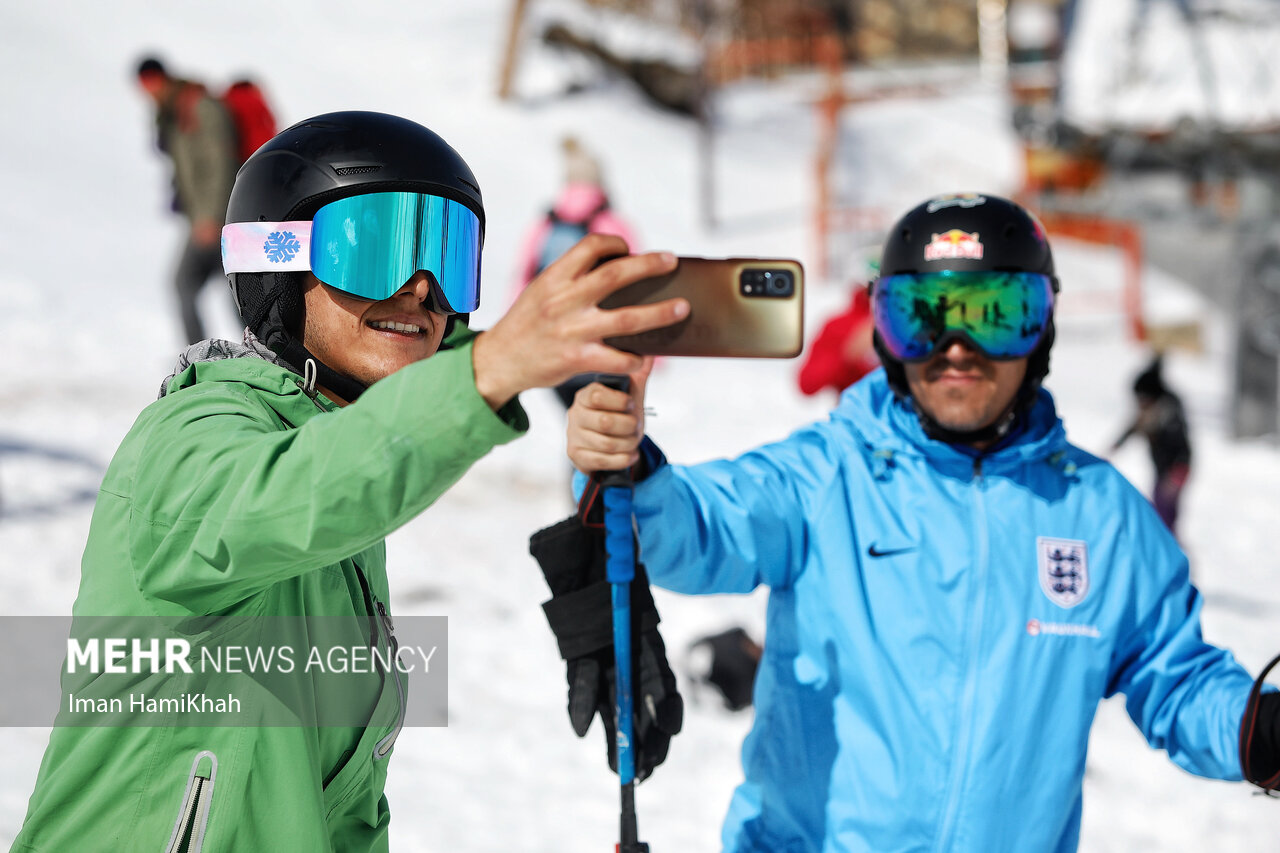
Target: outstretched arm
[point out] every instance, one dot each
(723, 526)
(1187, 696)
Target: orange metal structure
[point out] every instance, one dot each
(1123, 235)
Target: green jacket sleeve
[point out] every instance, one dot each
(227, 502)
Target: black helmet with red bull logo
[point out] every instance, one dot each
(952, 235)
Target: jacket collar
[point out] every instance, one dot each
(249, 363)
(887, 424)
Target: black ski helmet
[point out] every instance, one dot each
(314, 162)
(1012, 241)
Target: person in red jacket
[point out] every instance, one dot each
(842, 353)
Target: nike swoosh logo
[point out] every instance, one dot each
(873, 551)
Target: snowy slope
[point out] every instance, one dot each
(87, 331)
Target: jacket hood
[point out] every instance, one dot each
(217, 350)
(884, 422)
(250, 364)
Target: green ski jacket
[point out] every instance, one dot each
(236, 500)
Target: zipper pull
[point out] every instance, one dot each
(386, 617)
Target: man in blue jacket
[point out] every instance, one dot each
(954, 586)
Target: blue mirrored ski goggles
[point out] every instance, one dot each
(1003, 314)
(369, 246)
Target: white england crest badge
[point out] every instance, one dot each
(1064, 570)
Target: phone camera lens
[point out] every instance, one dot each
(767, 283)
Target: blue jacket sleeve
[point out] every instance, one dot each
(729, 526)
(1187, 696)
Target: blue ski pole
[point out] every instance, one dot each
(620, 570)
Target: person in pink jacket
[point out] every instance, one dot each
(582, 207)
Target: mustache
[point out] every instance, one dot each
(969, 363)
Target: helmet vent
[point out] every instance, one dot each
(468, 183)
(356, 170)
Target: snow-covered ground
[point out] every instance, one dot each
(88, 329)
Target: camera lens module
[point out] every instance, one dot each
(767, 283)
(779, 283)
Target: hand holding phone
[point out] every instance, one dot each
(553, 330)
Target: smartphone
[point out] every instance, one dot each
(740, 308)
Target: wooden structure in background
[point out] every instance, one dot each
(510, 54)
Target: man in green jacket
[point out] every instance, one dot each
(249, 504)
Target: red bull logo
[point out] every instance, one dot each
(954, 244)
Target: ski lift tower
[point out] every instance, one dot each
(1165, 114)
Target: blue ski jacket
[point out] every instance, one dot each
(941, 627)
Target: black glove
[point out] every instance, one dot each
(580, 612)
(1260, 736)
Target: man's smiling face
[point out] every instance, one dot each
(370, 340)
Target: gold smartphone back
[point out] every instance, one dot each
(740, 308)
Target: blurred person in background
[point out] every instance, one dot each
(582, 207)
(1162, 421)
(954, 587)
(842, 353)
(194, 129)
(727, 662)
(255, 494)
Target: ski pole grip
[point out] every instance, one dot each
(619, 543)
(620, 382)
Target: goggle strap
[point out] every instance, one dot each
(266, 247)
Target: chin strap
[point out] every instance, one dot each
(344, 386)
(316, 372)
